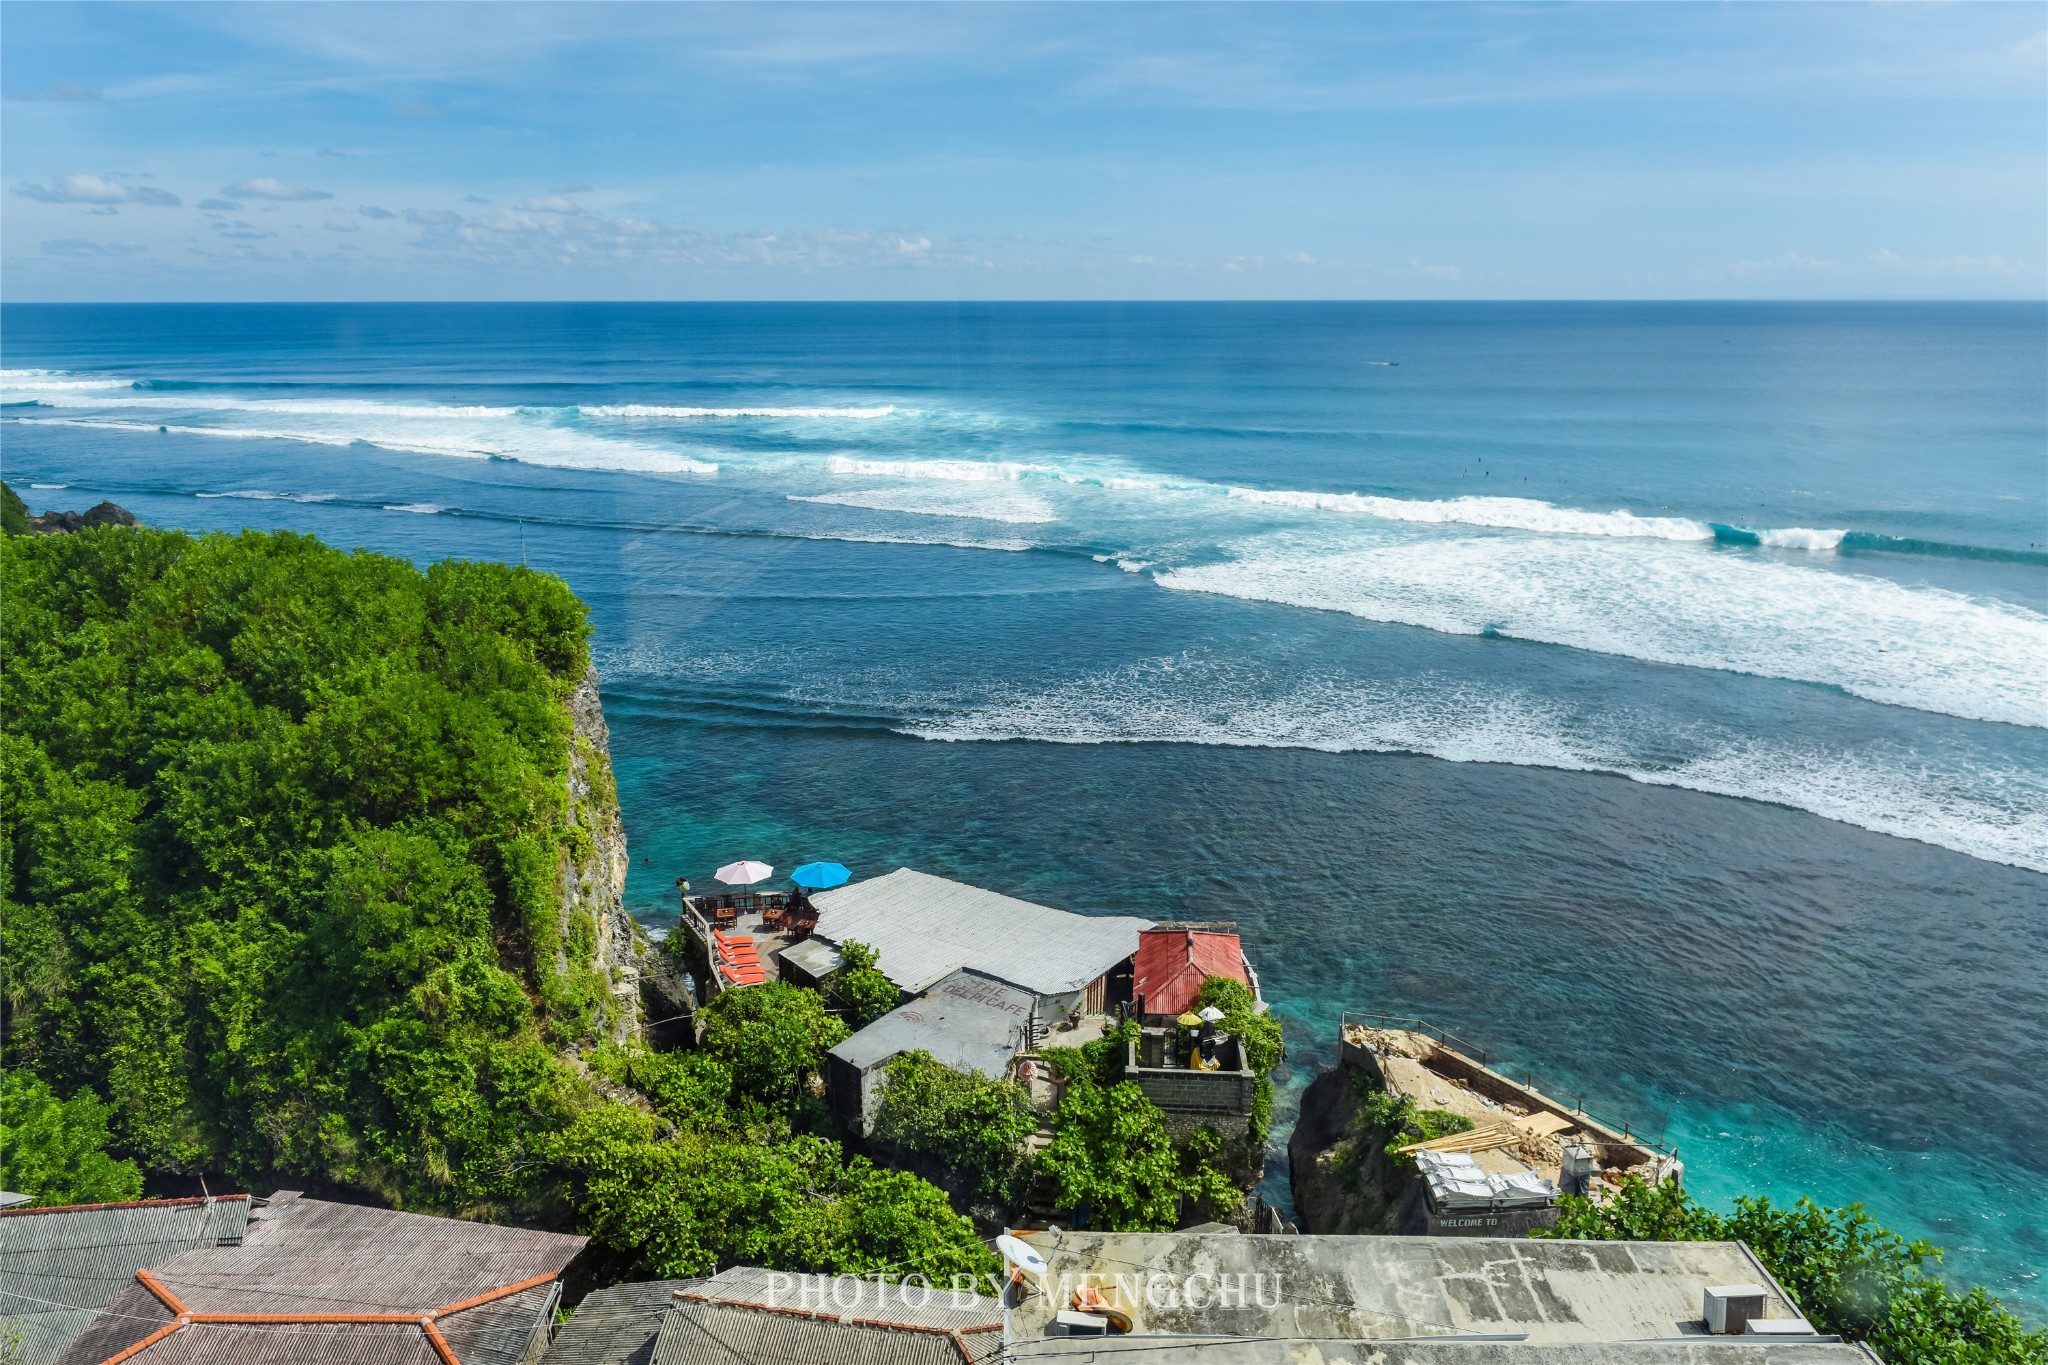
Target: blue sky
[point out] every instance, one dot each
(480, 151)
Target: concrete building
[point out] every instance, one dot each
(925, 928)
(311, 1280)
(968, 1021)
(1414, 1300)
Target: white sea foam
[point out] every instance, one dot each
(951, 471)
(2000, 814)
(49, 487)
(1524, 514)
(1801, 538)
(56, 380)
(425, 509)
(1673, 604)
(542, 445)
(1000, 503)
(866, 414)
(265, 495)
(910, 538)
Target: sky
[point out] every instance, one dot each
(1075, 151)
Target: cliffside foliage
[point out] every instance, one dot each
(53, 1149)
(972, 1125)
(281, 828)
(729, 1167)
(283, 831)
(866, 993)
(1260, 1035)
(1848, 1274)
(1111, 1158)
(1401, 1120)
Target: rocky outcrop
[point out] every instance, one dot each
(104, 514)
(593, 879)
(1343, 1180)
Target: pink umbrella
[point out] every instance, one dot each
(743, 873)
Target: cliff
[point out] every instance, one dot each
(1343, 1180)
(593, 878)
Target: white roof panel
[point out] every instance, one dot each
(925, 927)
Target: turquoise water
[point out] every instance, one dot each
(1651, 694)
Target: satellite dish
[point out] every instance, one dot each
(1021, 1254)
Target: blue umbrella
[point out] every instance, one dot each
(818, 876)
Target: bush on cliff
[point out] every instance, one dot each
(281, 834)
(54, 1150)
(1847, 1274)
(970, 1124)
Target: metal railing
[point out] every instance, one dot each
(1529, 1079)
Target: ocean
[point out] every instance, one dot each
(1652, 694)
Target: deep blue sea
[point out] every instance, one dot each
(1654, 694)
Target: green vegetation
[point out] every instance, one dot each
(729, 1168)
(55, 1149)
(282, 830)
(13, 513)
(972, 1125)
(285, 831)
(866, 993)
(1398, 1117)
(1111, 1158)
(1847, 1274)
(1260, 1035)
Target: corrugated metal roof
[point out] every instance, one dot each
(968, 1021)
(616, 1325)
(924, 927)
(307, 1257)
(1172, 964)
(60, 1267)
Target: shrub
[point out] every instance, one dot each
(971, 1124)
(53, 1149)
(866, 993)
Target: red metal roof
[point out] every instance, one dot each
(1172, 964)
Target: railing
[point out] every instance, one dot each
(1529, 1079)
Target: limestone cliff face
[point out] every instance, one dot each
(594, 923)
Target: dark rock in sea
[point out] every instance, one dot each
(1344, 1182)
(105, 514)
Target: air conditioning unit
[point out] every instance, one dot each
(1728, 1308)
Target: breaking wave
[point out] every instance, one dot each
(553, 447)
(1903, 646)
(867, 414)
(995, 504)
(265, 495)
(1997, 813)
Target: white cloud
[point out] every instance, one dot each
(264, 187)
(1791, 263)
(337, 223)
(96, 189)
(372, 211)
(1448, 274)
(1945, 267)
(79, 246)
(1299, 258)
(219, 206)
(547, 203)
